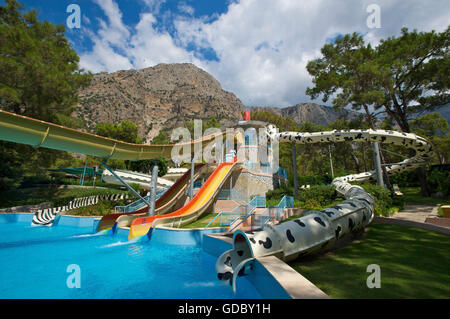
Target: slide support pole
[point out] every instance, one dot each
(377, 159)
(151, 207)
(131, 189)
(294, 166)
(191, 186)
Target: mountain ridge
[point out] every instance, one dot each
(170, 95)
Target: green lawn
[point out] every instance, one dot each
(203, 221)
(412, 195)
(414, 263)
(54, 195)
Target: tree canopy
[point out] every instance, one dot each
(40, 73)
(40, 78)
(402, 76)
(125, 131)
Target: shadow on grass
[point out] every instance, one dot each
(414, 264)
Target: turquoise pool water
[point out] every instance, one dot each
(34, 261)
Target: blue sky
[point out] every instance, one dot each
(257, 49)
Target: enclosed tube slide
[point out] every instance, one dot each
(192, 210)
(162, 205)
(318, 230)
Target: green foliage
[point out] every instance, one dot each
(146, 166)
(278, 193)
(435, 128)
(10, 167)
(320, 196)
(161, 139)
(397, 76)
(206, 124)
(40, 74)
(405, 179)
(439, 181)
(414, 73)
(40, 78)
(56, 196)
(316, 197)
(383, 199)
(314, 180)
(125, 131)
(102, 208)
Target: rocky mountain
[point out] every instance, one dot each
(311, 112)
(161, 97)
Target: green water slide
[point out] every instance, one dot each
(25, 130)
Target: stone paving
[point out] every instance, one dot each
(417, 212)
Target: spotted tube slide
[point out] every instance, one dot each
(317, 230)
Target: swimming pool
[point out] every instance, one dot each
(34, 263)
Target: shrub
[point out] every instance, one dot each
(314, 180)
(439, 181)
(405, 179)
(102, 208)
(277, 194)
(318, 196)
(383, 199)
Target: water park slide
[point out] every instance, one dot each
(129, 177)
(162, 205)
(192, 210)
(25, 130)
(317, 230)
(50, 216)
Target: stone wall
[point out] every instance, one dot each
(251, 183)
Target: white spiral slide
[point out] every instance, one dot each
(317, 230)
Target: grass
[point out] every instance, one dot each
(54, 195)
(414, 264)
(412, 195)
(203, 221)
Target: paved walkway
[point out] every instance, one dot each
(417, 212)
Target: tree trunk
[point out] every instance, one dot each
(355, 158)
(421, 174)
(424, 186)
(385, 175)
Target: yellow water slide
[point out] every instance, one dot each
(192, 210)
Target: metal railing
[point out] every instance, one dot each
(258, 201)
(227, 218)
(234, 195)
(138, 204)
(271, 213)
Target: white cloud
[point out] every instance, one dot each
(185, 8)
(263, 46)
